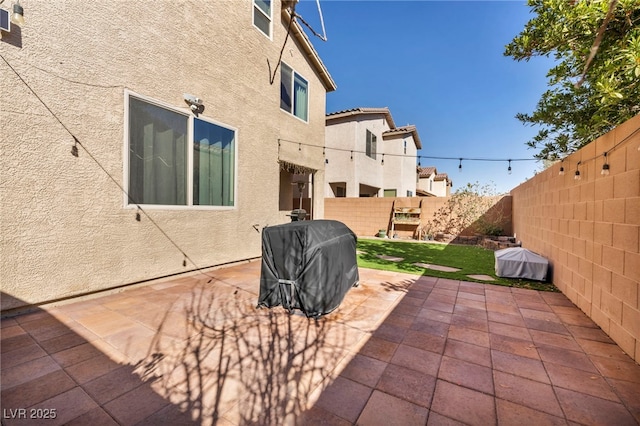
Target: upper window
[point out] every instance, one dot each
(176, 159)
(262, 16)
(294, 93)
(371, 145)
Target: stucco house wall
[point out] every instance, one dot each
(344, 135)
(434, 183)
(341, 167)
(346, 131)
(66, 227)
(399, 169)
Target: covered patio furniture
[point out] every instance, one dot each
(308, 266)
(518, 262)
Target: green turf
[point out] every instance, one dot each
(471, 260)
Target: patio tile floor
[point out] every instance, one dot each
(401, 349)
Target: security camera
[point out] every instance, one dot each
(192, 100)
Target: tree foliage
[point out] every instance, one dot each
(588, 95)
(467, 208)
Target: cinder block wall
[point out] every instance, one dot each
(590, 230)
(366, 216)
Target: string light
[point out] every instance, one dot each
(605, 166)
(419, 157)
(577, 175)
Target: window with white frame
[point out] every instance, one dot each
(294, 92)
(176, 159)
(371, 145)
(262, 16)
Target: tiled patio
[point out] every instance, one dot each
(401, 349)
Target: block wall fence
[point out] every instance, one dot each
(366, 216)
(589, 229)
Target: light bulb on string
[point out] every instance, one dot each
(605, 166)
(509, 168)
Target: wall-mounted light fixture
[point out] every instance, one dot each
(605, 166)
(195, 103)
(18, 14)
(6, 18)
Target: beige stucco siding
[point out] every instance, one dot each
(65, 228)
(347, 131)
(399, 166)
(340, 141)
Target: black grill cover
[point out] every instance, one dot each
(308, 265)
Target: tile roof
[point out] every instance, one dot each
(362, 111)
(425, 172)
(393, 130)
(409, 128)
(441, 176)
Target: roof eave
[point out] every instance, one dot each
(413, 132)
(363, 111)
(309, 51)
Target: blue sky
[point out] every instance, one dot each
(438, 65)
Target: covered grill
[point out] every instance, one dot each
(308, 266)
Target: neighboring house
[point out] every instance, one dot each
(368, 156)
(433, 184)
(207, 174)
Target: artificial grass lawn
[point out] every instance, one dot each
(471, 260)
